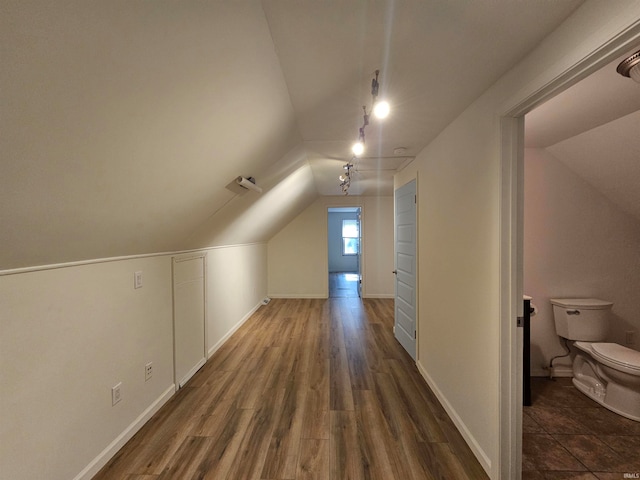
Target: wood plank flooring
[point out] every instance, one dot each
(305, 389)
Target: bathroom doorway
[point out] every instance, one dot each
(513, 262)
(344, 239)
(579, 178)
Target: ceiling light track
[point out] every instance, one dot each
(380, 109)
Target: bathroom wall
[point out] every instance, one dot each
(576, 244)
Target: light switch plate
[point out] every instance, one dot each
(137, 280)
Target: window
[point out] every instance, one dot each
(350, 237)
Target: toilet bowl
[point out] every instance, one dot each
(609, 374)
(606, 372)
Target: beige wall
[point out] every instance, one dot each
(69, 334)
(297, 255)
(236, 284)
(576, 244)
(460, 188)
(458, 264)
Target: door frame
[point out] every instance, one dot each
(511, 240)
(177, 259)
(361, 256)
(415, 265)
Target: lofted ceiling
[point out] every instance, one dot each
(434, 58)
(125, 124)
(593, 128)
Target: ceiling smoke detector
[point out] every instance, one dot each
(399, 151)
(630, 67)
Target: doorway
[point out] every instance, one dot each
(190, 348)
(512, 233)
(574, 157)
(344, 239)
(405, 252)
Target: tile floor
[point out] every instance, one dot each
(569, 436)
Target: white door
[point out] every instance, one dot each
(190, 352)
(359, 258)
(405, 249)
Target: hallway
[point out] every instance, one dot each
(343, 285)
(305, 389)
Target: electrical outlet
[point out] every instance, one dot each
(137, 280)
(116, 393)
(630, 337)
(148, 371)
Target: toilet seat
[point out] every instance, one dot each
(617, 356)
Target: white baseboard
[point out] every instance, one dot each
(190, 374)
(379, 295)
(107, 454)
(557, 371)
(233, 330)
(460, 425)
(296, 295)
(562, 371)
(539, 372)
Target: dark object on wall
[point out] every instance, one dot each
(526, 354)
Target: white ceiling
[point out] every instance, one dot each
(594, 129)
(124, 124)
(434, 59)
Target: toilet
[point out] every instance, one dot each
(606, 372)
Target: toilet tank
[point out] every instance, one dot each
(585, 319)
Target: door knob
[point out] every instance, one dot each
(395, 272)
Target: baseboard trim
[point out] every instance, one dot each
(379, 295)
(295, 295)
(107, 454)
(460, 425)
(539, 372)
(561, 371)
(191, 373)
(233, 330)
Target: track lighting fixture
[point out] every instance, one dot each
(380, 110)
(358, 147)
(630, 67)
(345, 180)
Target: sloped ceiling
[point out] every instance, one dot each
(124, 123)
(594, 129)
(434, 58)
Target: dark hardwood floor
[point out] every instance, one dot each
(305, 389)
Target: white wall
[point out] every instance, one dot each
(236, 284)
(297, 255)
(459, 244)
(577, 244)
(69, 334)
(337, 261)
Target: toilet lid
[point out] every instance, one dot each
(618, 354)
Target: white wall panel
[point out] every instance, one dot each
(67, 336)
